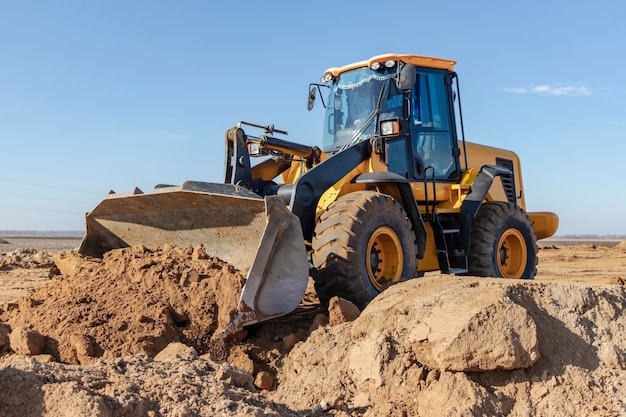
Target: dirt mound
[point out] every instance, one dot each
(133, 301)
(467, 346)
(131, 386)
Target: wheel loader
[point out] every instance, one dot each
(394, 191)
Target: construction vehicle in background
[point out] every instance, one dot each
(394, 191)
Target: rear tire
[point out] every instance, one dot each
(503, 243)
(362, 244)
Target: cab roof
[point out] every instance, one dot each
(417, 60)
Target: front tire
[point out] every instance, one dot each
(503, 243)
(362, 244)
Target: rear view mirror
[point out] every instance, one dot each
(311, 99)
(313, 90)
(405, 77)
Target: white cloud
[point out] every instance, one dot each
(552, 90)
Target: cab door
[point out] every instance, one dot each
(432, 132)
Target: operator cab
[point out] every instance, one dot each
(414, 117)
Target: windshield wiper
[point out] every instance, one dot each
(360, 130)
(354, 138)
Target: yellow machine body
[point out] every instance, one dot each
(302, 205)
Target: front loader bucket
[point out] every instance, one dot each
(227, 220)
(251, 233)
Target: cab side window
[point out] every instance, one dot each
(431, 127)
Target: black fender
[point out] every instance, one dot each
(308, 188)
(408, 201)
(476, 196)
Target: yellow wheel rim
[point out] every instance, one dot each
(512, 254)
(384, 258)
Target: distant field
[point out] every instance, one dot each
(39, 242)
(583, 241)
(69, 241)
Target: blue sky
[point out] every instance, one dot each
(101, 95)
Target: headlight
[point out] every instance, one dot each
(390, 63)
(389, 128)
(375, 66)
(327, 78)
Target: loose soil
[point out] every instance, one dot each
(140, 333)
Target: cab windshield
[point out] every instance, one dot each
(352, 107)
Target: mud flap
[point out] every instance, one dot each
(278, 277)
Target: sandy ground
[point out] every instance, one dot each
(16, 281)
(139, 334)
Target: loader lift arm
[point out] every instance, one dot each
(303, 196)
(237, 165)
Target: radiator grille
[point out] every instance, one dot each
(508, 182)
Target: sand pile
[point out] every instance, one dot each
(451, 346)
(175, 384)
(133, 301)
